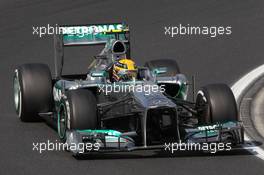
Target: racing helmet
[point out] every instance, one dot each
(124, 70)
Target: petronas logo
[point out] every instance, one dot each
(88, 30)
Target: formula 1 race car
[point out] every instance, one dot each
(147, 108)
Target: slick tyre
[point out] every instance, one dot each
(32, 91)
(172, 69)
(216, 103)
(77, 111)
(171, 66)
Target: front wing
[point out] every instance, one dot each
(112, 141)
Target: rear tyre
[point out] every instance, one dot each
(171, 66)
(172, 69)
(216, 103)
(78, 111)
(32, 85)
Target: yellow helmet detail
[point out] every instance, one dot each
(124, 70)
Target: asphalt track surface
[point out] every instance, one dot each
(222, 59)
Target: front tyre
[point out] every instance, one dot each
(77, 111)
(216, 103)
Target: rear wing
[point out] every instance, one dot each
(83, 35)
(93, 34)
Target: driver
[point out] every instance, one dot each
(124, 70)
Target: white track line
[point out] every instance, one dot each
(238, 88)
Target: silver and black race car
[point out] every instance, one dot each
(87, 109)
